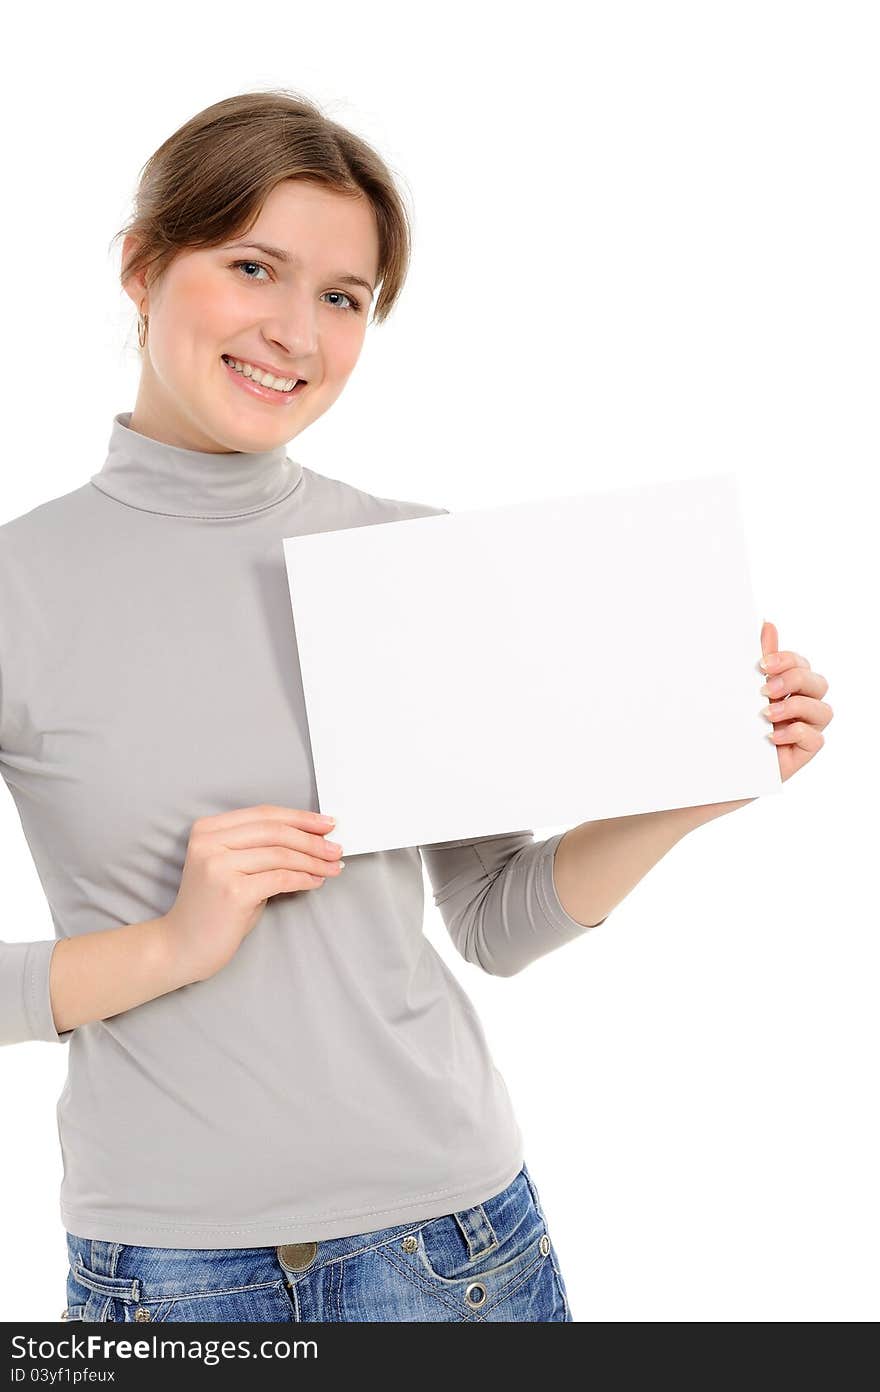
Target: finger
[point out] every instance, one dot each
(276, 833)
(795, 679)
(800, 733)
(817, 713)
(293, 816)
(779, 662)
(769, 637)
(254, 862)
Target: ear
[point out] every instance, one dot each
(134, 286)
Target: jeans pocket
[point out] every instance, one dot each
(493, 1261)
(493, 1239)
(480, 1258)
(266, 1303)
(129, 1284)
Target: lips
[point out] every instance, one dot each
(256, 391)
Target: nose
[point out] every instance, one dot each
(294, 332)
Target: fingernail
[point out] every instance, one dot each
(769, 661)
(331, 821)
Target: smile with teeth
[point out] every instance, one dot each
(263, 379)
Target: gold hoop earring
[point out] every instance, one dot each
(142, 329)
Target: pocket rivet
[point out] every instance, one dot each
(141, 1314)
(545, 1244)
(410, 1244)
(64, 1314)
(475, 1293)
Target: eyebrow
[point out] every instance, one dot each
(279, 254)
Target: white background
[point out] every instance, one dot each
(645, 246)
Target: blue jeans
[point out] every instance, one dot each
(494, 1261)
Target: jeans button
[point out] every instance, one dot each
(296, 1256)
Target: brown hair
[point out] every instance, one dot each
(205, 185)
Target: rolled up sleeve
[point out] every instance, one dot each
(498, 899)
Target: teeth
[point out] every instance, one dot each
(265, 379)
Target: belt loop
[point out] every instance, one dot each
(120, 1287)
(477, 1231)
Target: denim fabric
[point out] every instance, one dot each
(494, 1261)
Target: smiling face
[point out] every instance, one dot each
(304, 318)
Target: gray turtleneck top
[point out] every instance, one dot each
(333, 1078)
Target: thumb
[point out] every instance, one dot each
(769, 638)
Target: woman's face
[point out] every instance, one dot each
(301, 318)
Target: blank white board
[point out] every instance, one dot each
(531, 665)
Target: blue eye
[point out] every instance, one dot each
(249, 263)
(353, 304)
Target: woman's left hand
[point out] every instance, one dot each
(796, 709)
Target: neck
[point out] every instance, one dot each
(157, 477)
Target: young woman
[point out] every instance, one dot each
(280, 1104)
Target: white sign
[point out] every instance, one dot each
(530, 665)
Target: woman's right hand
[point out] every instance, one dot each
(235, 861)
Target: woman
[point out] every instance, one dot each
(280, 1104)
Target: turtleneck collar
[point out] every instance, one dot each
(148, 474)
